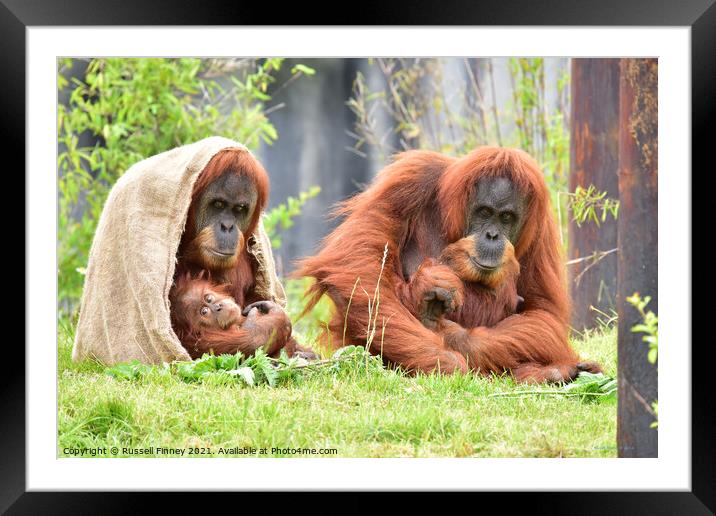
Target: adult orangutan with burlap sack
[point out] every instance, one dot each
(186, 217)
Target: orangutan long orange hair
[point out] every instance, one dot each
(231, 276)
(197, 309)
(416, 207)
(240, 275)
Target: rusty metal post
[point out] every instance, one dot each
(637, 253)
(594, 160)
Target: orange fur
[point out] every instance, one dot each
(457, 257)
(272, 330)
(238, 273)
(429, 277)
(419, 202)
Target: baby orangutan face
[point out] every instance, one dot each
(203, 305)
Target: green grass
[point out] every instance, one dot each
(359, 411)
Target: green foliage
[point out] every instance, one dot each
(129, 370)
(137, 108)
(214, 369)
(281, 217)
(208, 364)
(303, 69)
(263, 368)
(593, 387)
(650, 326)
(655, 408)
(258, 369)
(587, 387)
(586, 202)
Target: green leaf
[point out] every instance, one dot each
(304, 69)
(245, 373)
(129, 370)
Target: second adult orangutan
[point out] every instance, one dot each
(449, 285)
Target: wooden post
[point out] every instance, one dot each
(637, 253)
(594, 160)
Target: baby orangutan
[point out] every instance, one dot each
(478, 283)
(454, 288)
(207, 319)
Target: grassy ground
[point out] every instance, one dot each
(360, 412)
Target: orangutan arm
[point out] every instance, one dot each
(431, 291)
(266, 325)
(533, 345)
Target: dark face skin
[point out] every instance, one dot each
(226, 206)
(496, 215)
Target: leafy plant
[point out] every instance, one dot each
(593, 386)
(655, 408)
(208, 365)
(301, 68)
(135, 108)
(587, 387)
(262, 367)
(258, 369)
(281, 217)
(586, 202)
(129, 370)
(649, 326)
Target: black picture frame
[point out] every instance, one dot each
(700, 15)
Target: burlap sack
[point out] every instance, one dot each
(124, 313)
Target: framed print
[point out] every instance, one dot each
(420, 252)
